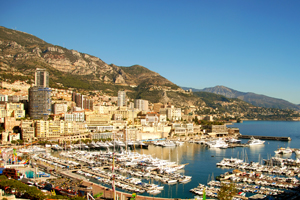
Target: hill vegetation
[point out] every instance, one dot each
(22, 53)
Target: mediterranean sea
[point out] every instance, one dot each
(202, 160)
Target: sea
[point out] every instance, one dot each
(201, 161)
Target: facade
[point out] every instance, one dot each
(40, 96)
(82, 101)
(75, 117)
(39, 102)
(15, 110)
(3, 97)
(122, 98)
(141, 104)
(27, 130)
(41, 78)
(10, 123)
(60, 108)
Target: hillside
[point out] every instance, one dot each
(252, 98)
(21, 53)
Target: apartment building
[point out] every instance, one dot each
(27, 130)
(78, 116)
(141, 104)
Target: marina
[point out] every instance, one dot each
(180, 171)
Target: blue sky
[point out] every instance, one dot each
(248, 45)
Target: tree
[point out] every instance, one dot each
(227, 191)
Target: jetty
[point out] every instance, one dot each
(265, 137)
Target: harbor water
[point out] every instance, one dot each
(201, 161)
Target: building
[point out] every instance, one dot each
(141, 104)
(27, 130)
(59, 108)
(39, 102)
(82, 101)
(15, 110)
(78, 116)
(122, 98)
(40, 96)
(3, 97)
(41, 78)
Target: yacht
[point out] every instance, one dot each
(254, 141)
(217, 143)
(284, 150)
(297, 151)
(169, 144)
(158, 143)
(233, 140)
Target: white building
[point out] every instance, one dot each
(141, 104)
(122, 98)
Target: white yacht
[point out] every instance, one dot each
(254, 141)
(169, 144)
(297, 152)
(158, 143)
(217, 143)
(233, 140)
(282, 150)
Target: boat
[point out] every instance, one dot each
(154, 192)
(254, 141)
(217, 143)
(233, 140)
(169, 144)
(158, 143)
(282, 150)
(297, 152)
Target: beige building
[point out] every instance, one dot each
(58, 128)
(97, 119)
(27, 130)
(15, 110)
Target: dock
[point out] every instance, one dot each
(265, 137)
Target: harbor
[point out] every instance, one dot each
(184, 168)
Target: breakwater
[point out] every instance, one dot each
(265, 137)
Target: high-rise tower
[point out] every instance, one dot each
(41, 78)
(39, 96)
(122, 98)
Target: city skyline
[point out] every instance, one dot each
(249, 46)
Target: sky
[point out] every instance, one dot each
(248, 45)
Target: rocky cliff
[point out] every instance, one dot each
(23, 52)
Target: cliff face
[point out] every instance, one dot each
(23, 52)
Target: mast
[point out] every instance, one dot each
(113, 171)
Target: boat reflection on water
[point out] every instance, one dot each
(256, 149)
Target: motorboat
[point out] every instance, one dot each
(254, 141)
(159, 143)
(282, 150)
(233, 140)
(169, 144)
(154, 192)
(217, 143)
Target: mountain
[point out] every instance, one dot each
(252, 98)
(21, 53)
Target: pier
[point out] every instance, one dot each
(265, 137)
